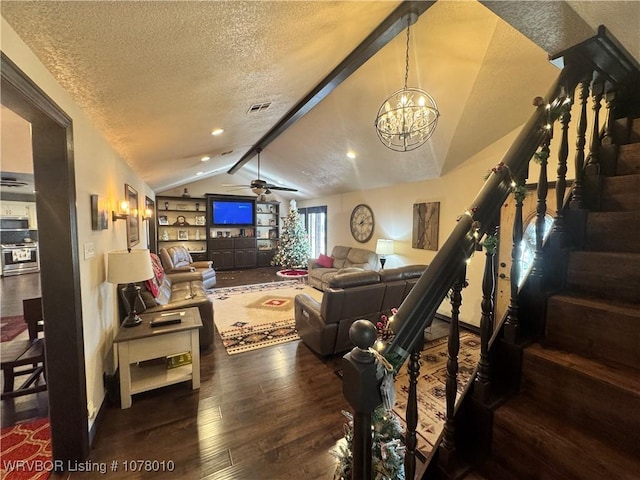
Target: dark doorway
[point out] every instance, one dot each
(54, 175)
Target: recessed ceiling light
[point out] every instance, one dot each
(351, 154)
(217, 131)
(205, 158)
(199, 173)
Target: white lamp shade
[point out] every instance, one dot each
(384, 246)
(125, 266)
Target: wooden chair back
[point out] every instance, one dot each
(33, 316)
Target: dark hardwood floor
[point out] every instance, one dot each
(273, 413)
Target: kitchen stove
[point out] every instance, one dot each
(18, 258)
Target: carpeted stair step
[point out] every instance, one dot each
(613, 231)
(594, 329)
(602, 399)
(532, 444)
(628, 159)
(621, 193)
(611, 276)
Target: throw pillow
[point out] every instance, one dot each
(153, 284)
(325, 261)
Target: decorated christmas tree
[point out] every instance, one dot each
(293, 247)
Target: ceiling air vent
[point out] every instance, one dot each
(258, 107)
(226, 153)
(12, 182)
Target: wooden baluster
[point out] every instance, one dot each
(447, 448)
(482, 381)
(541, 210)
(576, 189)
(597, 91)
(609, 137)
(559, 226)
(512, 323)
(411, 441)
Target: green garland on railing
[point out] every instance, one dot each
(490, 244)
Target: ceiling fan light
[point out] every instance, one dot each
(257, 190)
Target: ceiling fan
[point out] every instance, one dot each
(260, 186)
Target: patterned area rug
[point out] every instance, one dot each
(26, 451)
(432, 408)
(11, 327)
(250, 317)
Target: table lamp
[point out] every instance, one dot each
(384, 247)
(128, 267)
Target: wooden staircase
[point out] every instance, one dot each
(577, 414)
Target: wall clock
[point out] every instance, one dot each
(362, 223)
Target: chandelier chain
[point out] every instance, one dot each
(406, 60)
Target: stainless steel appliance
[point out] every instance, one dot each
(14, 223)
(18, 258)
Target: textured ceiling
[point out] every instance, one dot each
(157, 77)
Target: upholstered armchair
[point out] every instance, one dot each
(177, 259)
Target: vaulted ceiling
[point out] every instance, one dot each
(157, 77)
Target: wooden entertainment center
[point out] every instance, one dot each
(232, 231)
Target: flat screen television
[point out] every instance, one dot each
(232, 213)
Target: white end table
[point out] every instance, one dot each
(142, 342)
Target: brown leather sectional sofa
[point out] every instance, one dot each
(178, 291)
(345, 260)
(350, 296)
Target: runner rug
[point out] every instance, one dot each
(431, 392)
(250, 317)
(11, 327)
(26, 451)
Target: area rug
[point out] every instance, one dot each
(26, 451)
(431, 391)
(11, 327)
(255, 316)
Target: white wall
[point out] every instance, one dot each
(98, 170)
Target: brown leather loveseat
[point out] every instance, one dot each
(342, 260)
(350, 296)
(170, 292)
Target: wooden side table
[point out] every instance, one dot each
(143, 342)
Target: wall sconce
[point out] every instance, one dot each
(148, 214)
(123, 212)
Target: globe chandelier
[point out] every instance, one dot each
(409, 116)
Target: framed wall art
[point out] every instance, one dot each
(99, 213)
(133, 221)
(426, 221)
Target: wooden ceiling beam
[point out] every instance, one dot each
(391, 26)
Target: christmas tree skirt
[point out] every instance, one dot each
(431, 391)
(250, 317)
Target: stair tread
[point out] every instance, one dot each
(617, 307)
(612, 374)
(566, 443)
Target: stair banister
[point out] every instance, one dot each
(417, 310)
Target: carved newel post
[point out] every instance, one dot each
(361, 389)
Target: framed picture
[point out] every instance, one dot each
(163, 220)
(133, 221)
(183, 235)
(426, 221)
(200, 220)
(219, 234)
(99, 213)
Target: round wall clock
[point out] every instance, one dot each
(362, 223)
